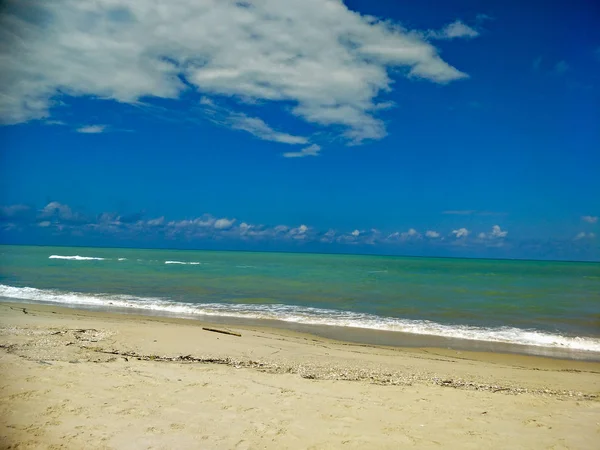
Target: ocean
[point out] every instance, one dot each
(530, 304)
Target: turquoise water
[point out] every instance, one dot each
(553, 304)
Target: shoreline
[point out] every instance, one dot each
(90, 379)
(129, 318)
(356, 335)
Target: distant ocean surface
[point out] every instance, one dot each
(535, 303)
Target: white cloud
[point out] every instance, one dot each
(156, 222)
(260, 129)
(299, 233)
(311, 150)
(223, 224)
(590, 219)
(355, 233)
(320, 61)
(91, 129)
(60, 211)
(253, 125)
(410, 234)
(460, 233)
(432, 234)
(204, 221)
(496, 233)
(44, 224)
(456, 29)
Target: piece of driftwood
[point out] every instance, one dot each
(214, 330)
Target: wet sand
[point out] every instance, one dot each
(85, 379)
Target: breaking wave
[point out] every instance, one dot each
(307, 315)
(191, 263)
(77, 258)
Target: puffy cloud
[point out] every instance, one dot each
(496, 233)
(432, 234)
(319, 60)
(460, 233)
(60, 212)
(223, 224)
(355, 233)
(590, 219)
(91, 129)
(456, 29)
(156, 222)
(410, 234)
(299, 233)
(311, 150)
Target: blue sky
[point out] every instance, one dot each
(462, 128)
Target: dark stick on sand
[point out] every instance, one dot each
(221, 331)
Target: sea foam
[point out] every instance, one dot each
(307, 315)
(77, 258)
(191, 263)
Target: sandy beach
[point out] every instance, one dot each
(82, 379)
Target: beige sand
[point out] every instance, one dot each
(80, 379)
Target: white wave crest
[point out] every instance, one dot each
(308, 315)
(76, 258)
(123, 259)
(192, 263)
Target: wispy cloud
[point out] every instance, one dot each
(584, 235)
(316, 59)
(472, 212)
(261, 130)
(432, 234)
(590, 219)
(253, 125)
(311, 150)
(459, 212)
(91, 129)
(454, 30)
(561, 67)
